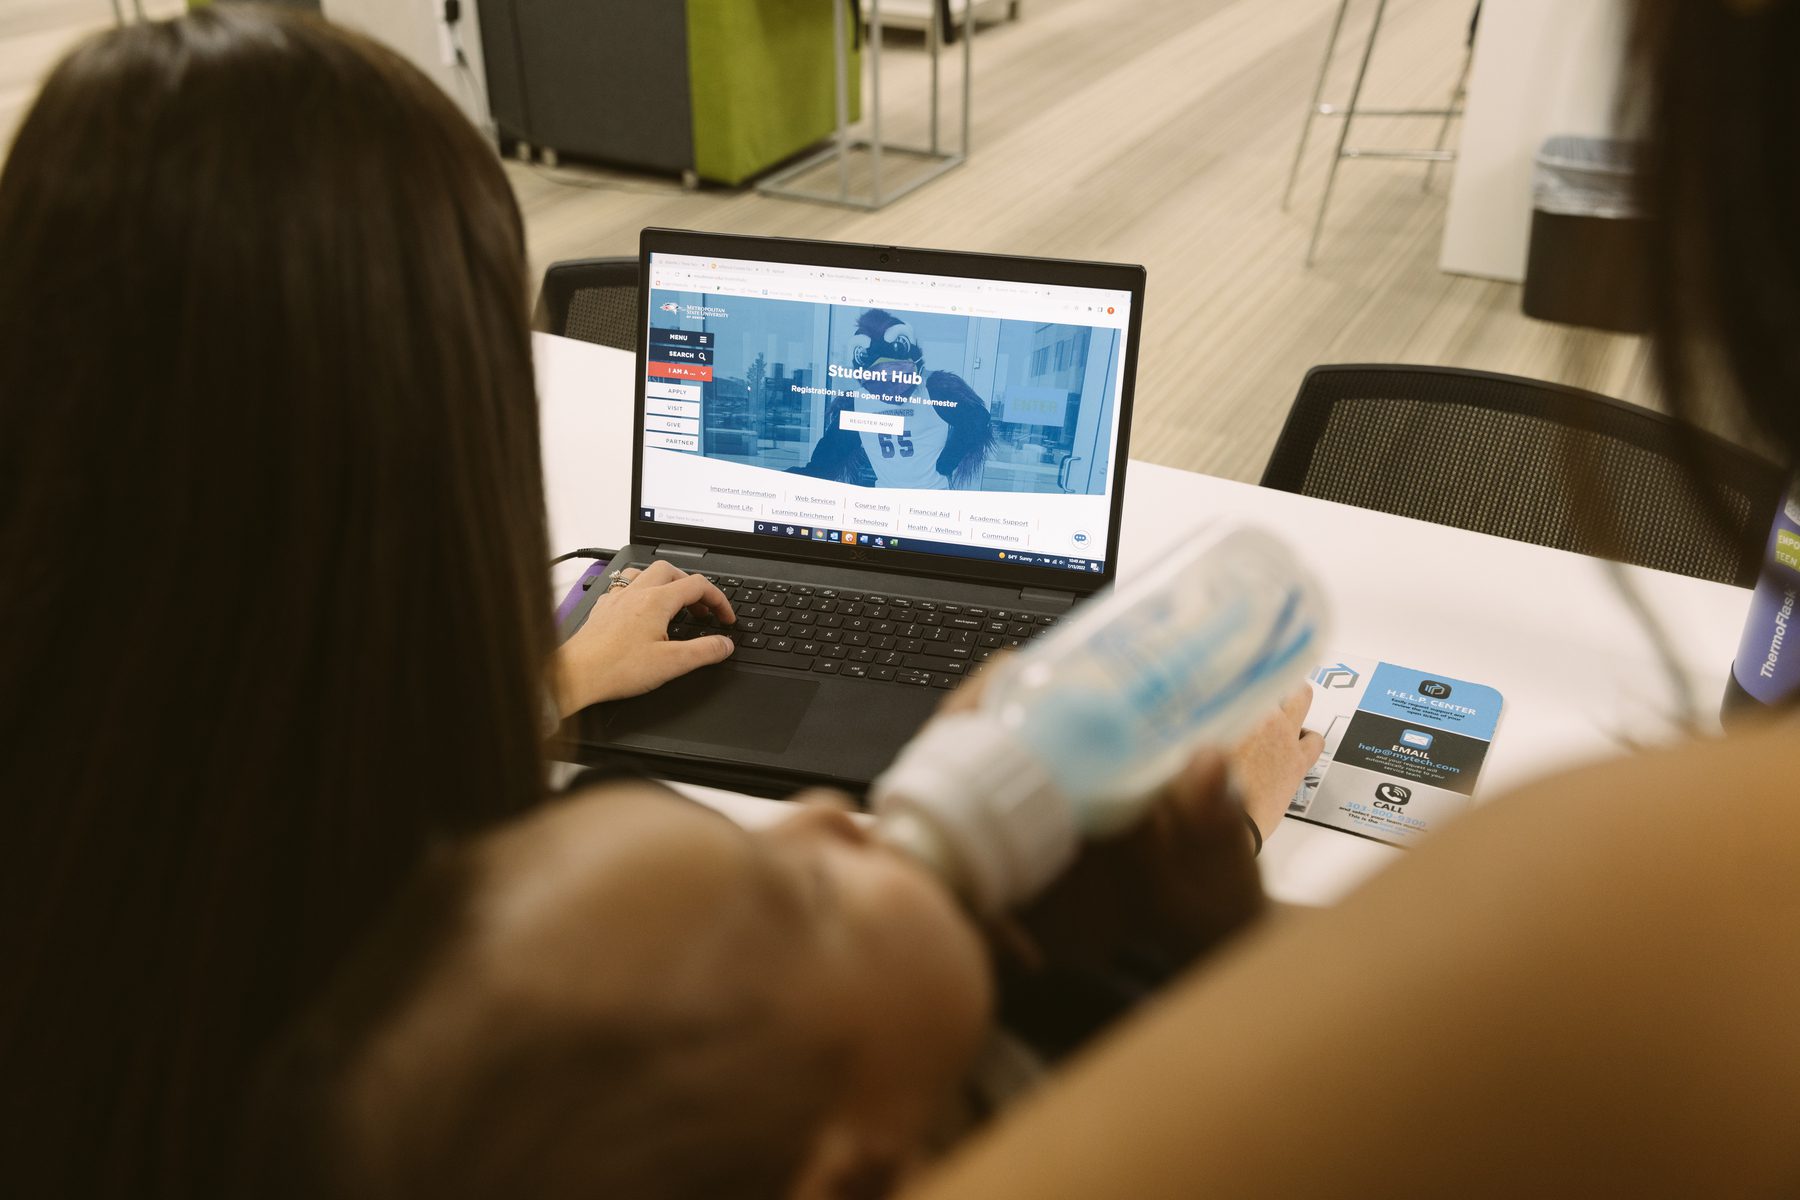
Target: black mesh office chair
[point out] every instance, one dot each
(594, 299)
(1525, 460)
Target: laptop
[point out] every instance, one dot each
(896, 463)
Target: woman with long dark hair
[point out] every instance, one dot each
(273, 573)
(274, 596)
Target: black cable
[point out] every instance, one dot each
(464, 71)
(584, 552)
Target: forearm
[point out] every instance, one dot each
(1586, 991)
(570, 685)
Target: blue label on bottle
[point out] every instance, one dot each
(1768, 659)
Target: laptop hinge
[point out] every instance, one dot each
(1047, 596)
(671, 551)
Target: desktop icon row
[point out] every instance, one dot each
(844, 536)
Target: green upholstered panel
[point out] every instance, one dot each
(763, 82)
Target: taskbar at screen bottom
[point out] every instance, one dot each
(882, 541)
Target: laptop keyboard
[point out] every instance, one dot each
(861, 635)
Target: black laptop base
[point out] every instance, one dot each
(826, 699)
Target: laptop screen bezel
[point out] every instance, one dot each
(856, 256)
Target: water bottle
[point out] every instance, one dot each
(1074, 736)
(1767, 669)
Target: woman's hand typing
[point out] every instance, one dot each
(624, 648)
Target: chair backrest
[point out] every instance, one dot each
(1529, 461)
(593, 299)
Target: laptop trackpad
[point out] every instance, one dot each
(718, 708)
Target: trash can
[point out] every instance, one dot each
(1589, 237)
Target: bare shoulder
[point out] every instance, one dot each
(1726, 785)
(1707, 826)
(1584, 988)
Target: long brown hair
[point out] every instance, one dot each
(272, 560)
(1715, 87)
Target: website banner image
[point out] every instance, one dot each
(833, 401)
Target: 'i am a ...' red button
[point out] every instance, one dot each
(669, 370)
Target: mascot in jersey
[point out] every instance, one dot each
(947, 432)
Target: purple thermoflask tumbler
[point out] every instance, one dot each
(1767, 670)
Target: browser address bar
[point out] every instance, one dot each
(974, 299)
(822, 282)
(801, 290)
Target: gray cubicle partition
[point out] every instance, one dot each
(600, 79)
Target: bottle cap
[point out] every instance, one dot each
(975, 804)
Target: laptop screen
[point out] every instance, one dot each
(930, 414)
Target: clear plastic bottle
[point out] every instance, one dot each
(1074, 736)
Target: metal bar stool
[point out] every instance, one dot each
(1352, 110)
(937, 157)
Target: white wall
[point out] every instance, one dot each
(415, 28)
(1542, 67)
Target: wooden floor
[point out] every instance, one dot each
(1150, 131)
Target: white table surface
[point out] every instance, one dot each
(1545, 627)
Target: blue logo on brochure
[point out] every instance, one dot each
(1339, 676)
(1431, 707)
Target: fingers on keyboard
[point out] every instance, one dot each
(856, 635)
